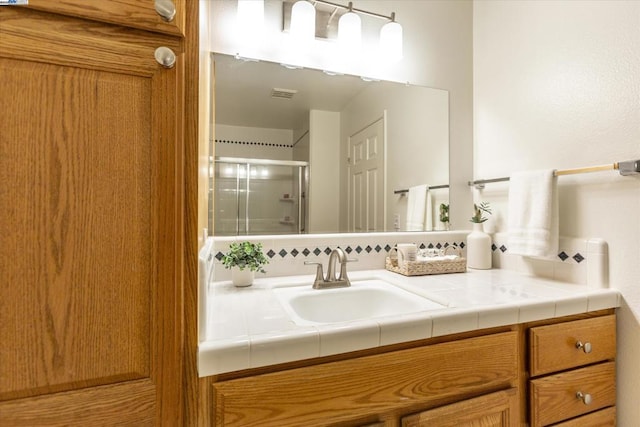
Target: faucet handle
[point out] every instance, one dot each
(351, 260)
(319, 272)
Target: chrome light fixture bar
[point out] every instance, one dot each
(350, 8)
(333, 20)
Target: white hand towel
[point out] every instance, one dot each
(428, 216)
(416, 208)
(533, 214)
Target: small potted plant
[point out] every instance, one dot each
(444, 215)
(244, 259)
(479, 242)
(478, 212)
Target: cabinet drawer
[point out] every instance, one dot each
(603, 418)
(554, 347)
(363, 389)
(554, 397)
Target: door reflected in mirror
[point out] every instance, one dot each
(302, 151)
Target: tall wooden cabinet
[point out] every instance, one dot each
(91, 214)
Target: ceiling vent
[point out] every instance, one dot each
(283, 93)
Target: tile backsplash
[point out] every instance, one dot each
(580, 261)
(287, 254)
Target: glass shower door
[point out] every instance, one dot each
(256, 196)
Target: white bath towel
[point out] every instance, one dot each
(416, 207)
(533, 214)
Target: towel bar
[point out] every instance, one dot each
(626, 168)
(431, 187)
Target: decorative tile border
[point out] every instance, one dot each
(287, 254)
(259, 143)
(581, 261)
(562, 255)
(358, 250)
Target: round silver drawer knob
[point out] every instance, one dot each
(585, 397)
(586, 347)
(165, 57)
(166, 9)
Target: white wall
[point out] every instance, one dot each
(324, 158)
(437, 53)
(301, 142)
(556, 85)
(417, 141)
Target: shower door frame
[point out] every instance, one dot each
(303, 186)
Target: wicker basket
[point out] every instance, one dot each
(422, 268)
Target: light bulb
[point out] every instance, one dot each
(391, 41)
(303, 21)
(349, 31)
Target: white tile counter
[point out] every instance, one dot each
(248, 328)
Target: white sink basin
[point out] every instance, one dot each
(362, 300)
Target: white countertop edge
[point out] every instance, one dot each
(300, 343)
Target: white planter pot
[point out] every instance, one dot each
(242, 278)
(478, 248)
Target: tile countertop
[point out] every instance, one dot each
(248, 327)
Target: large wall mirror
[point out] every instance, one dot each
(303, 151)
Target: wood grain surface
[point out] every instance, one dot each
(355, 389)
(498, 409)
(553, 347)
(553, 398)
(128, 13)
(91, 222)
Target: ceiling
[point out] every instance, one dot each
(243, 93)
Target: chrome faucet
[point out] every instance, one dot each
(331, 281)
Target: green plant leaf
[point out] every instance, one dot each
(245, 255)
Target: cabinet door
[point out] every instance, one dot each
(141, 14)
(90, 202)
(492, 410)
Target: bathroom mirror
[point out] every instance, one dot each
(303, 151)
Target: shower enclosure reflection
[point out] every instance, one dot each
(259, 196)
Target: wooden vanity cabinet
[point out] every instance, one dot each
(526, 374)
(92, 199)
(572, 370)
(382, 389)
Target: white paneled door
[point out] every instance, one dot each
(366, 178)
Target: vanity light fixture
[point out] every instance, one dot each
(391, 39)
(303, 21)
(245, 59)
(291, 66)
(350, 30)
(333, 20)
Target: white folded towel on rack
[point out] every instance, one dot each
(533, 214)
(417, 207)
(428, 215)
